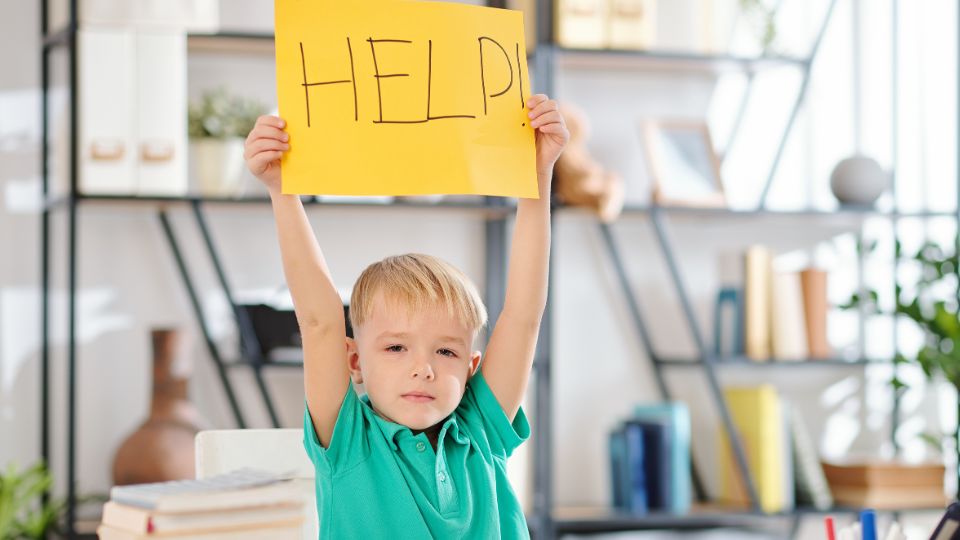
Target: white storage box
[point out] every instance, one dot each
(201, 16)
(132, 126)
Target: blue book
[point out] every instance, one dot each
(618, 468)
(728, 314)
(677, 416)
(656, 463)
(637, 480)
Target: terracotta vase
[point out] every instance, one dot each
(162, 448)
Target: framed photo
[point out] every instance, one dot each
(684, 169)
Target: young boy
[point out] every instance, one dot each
(423, 453)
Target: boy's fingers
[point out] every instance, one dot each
(260, 161)
(270, 120)
(267, 132)
(535, 100)
(549, 117)
(261, 145)
(543, 107)
(553, 128)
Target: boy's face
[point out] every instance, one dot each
(413, 366)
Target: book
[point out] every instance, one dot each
(677, 416)
(636, 479)
(788, 332)
(618, 469)
(885, 473)
(789, 469)
(656, 463)
(886, 484)
(287, 531)
(815, 308)
(811, 483)
(239, 489)
(889, 498)
(142, 521)
(756, 298)
(728, 317)
(728, 323)
(758, 419)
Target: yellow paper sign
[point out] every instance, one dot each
(404, 98)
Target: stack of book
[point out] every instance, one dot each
(775, 315)
(241, 505)
(887, 484)
(650, 460)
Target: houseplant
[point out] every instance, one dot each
(934, 306)
(217, 126)
(23, 512)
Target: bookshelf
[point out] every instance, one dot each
(546, 520)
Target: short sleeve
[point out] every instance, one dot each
(480, 410)
(348, 444)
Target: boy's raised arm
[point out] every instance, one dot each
(317, 304)
(512, 345)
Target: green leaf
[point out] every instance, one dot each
(944, 323)
(22, 511)
(934, 440)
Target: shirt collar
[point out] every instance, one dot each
(393, 430)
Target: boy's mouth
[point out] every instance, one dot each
(417, 397)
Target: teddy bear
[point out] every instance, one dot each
(581, 181)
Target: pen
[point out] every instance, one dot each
(831, 528)
(868, 522)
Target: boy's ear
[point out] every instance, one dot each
(474, 362)
(353, 361)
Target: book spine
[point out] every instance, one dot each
(757, 303)
(815, 307)
(617, 448)
(656, 462)
(637, 456)
(789, 335)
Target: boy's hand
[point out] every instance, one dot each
(263, 148)
(551, 131)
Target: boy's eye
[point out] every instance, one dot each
(395, 348)
(447, 352)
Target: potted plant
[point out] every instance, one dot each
(23, 512)
(934, 306)
(218, 125)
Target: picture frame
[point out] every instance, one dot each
(683, 165)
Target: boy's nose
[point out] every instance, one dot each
(423, 371)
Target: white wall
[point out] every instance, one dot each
(128, 282)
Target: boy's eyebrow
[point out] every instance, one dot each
(454, 339)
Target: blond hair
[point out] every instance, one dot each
(417, 281)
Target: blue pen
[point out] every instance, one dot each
(868, 522)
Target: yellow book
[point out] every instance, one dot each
(757, 270)
(758, 416)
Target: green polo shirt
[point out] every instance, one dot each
(378, 480)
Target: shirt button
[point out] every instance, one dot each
(442, 476)
(421, 447)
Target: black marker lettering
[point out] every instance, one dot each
(523, 100)
(430, 83)
(483, 83)
(307, 85)
(377, 75)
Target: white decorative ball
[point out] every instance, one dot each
(858, 180)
